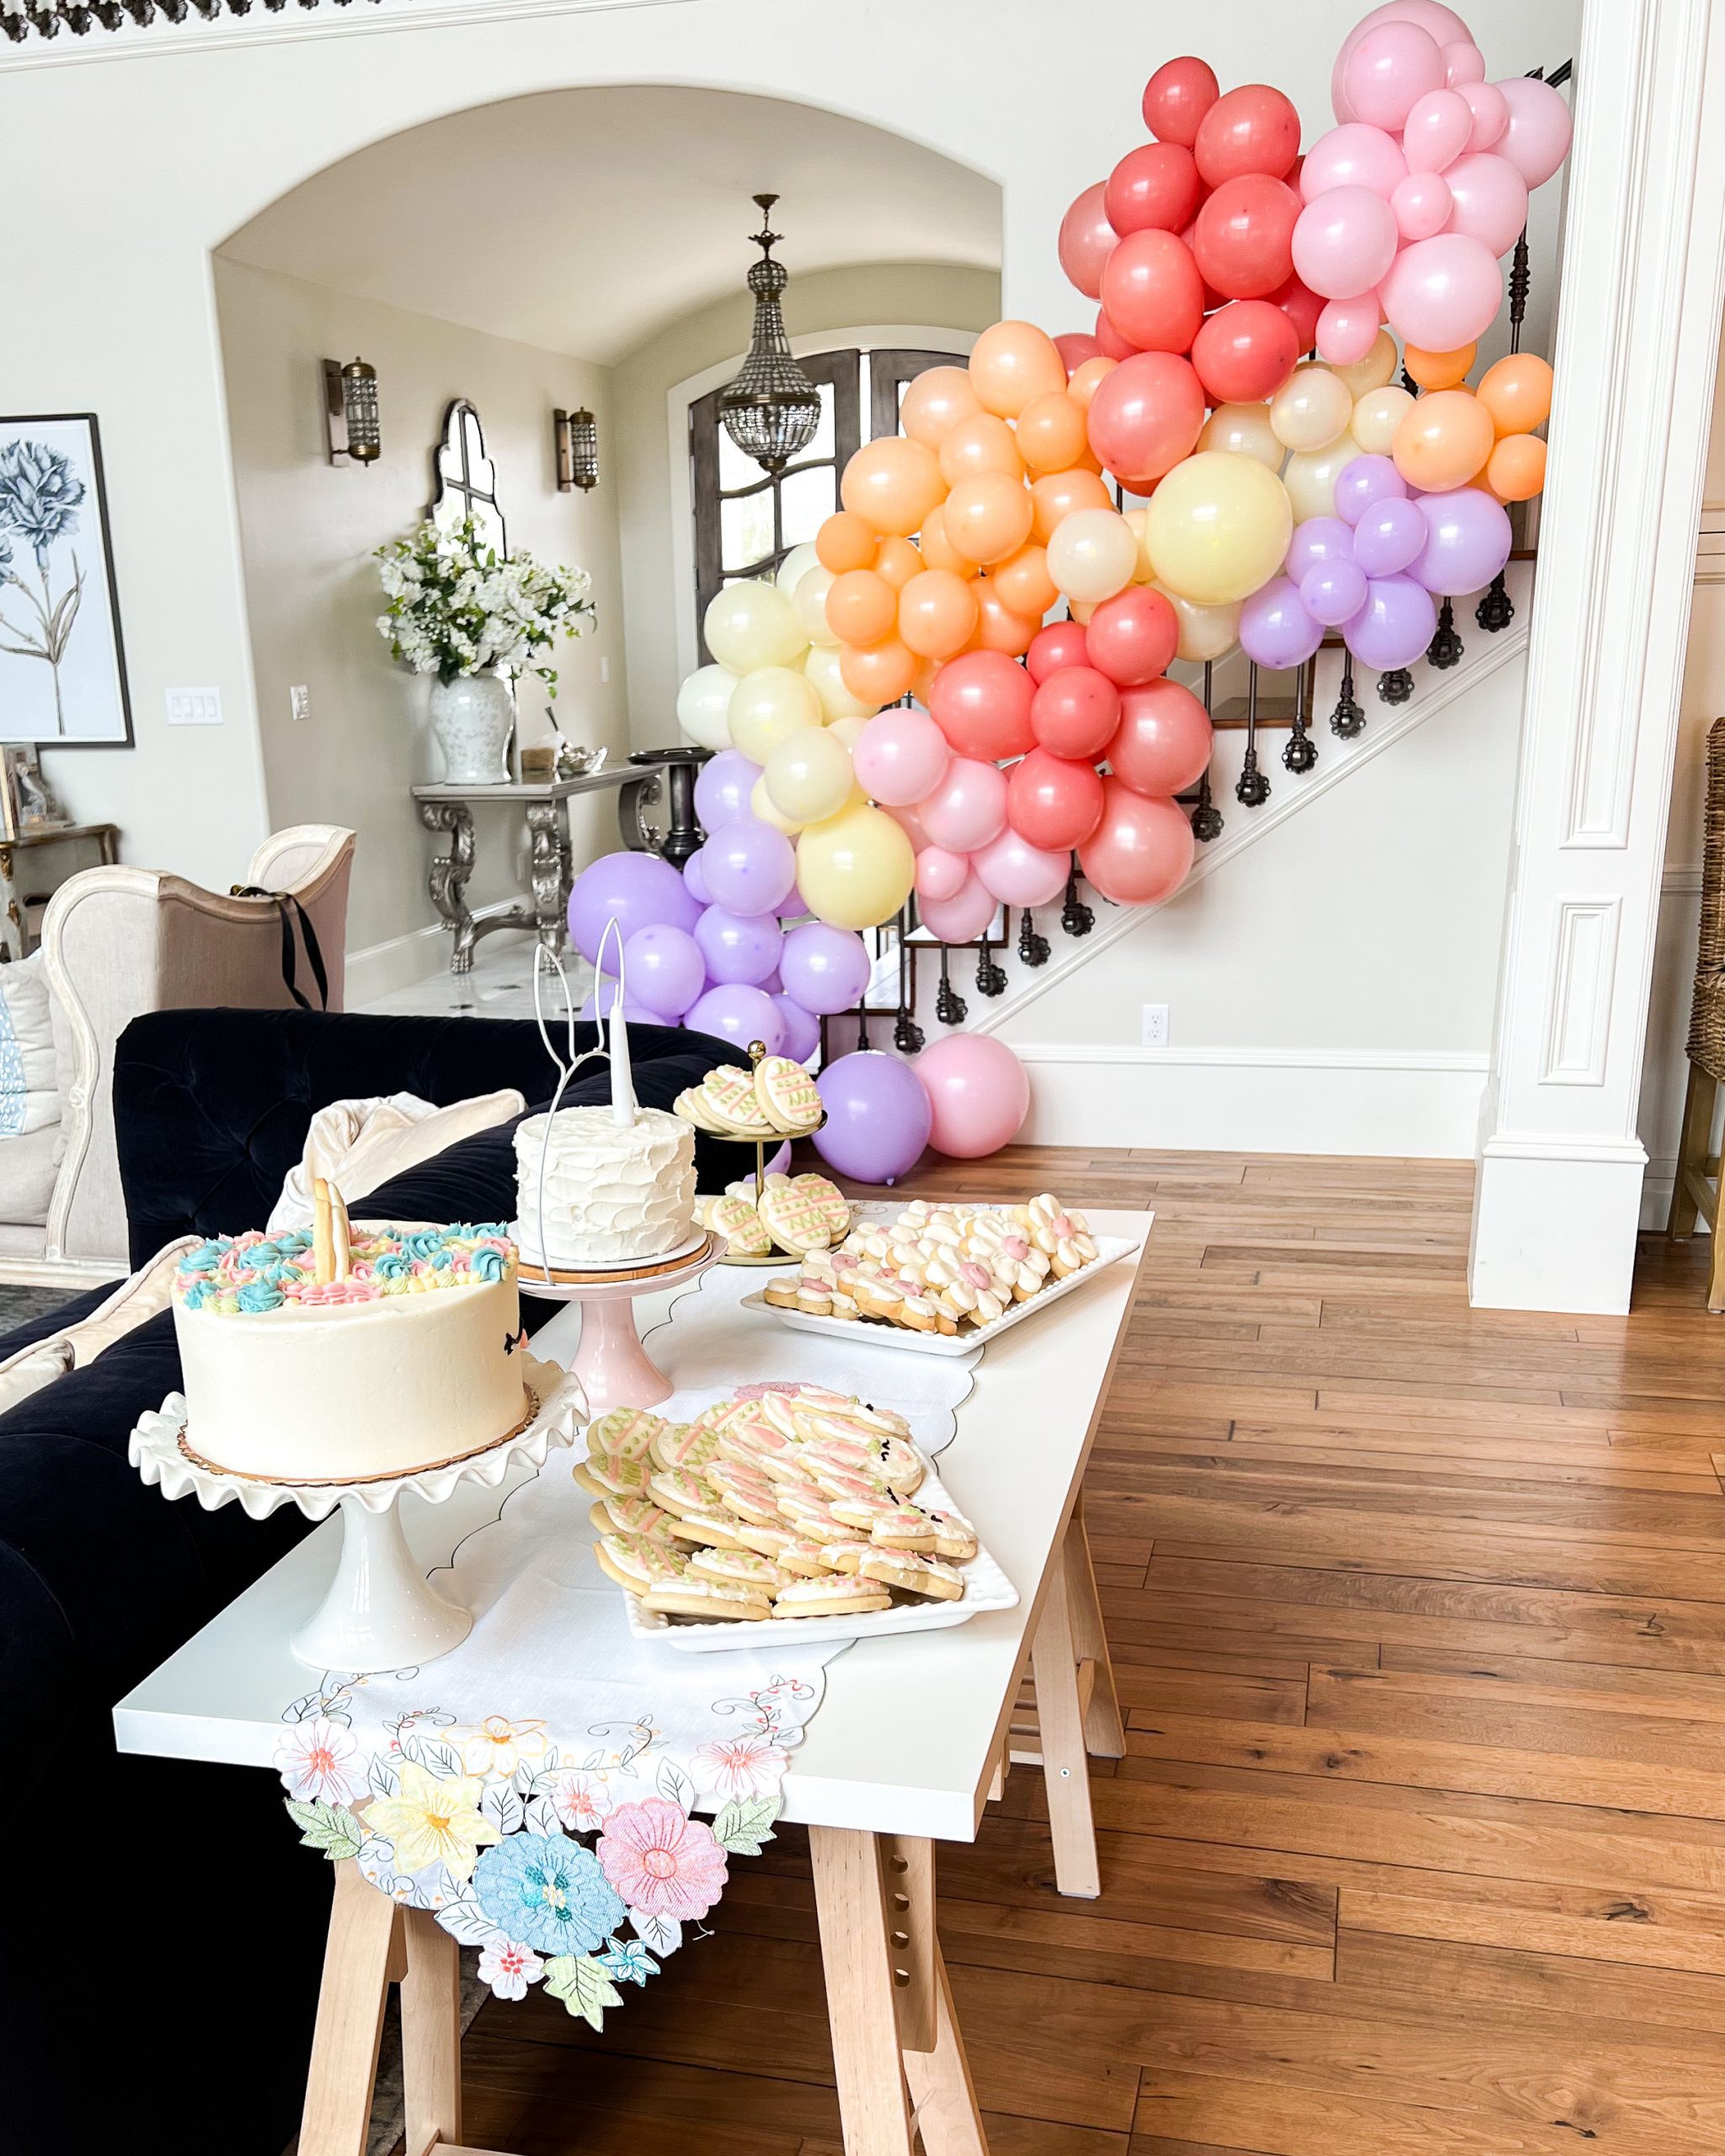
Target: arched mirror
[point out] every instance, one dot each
(464, 479)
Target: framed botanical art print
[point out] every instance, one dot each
(62, 667)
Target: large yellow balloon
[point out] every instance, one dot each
(809, 604)
(855, 869)
(1310, 477)
(752, 624)
(808, 775)
(1206, 633)
(1376, 417)
(767, 705)
(704, 707)
(822, 671)
(1243, 430)
(1218, 527)
(1377, 368)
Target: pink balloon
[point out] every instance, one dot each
(1390, 68)
(1463, 62)
(1352, 156)
(1344, 241)
(1020, 874)
(1537, 141)
(899, 756)
(1075, 347)
(1443, 23)
(1489, 200)
(1085, 242)
(1436, 130)
(1491, 113)
(962, 918)
(909, 823)
(1422, 205)
(968, 807)
(1442, 293)
(941, 874)
(979, 1093)
(1347, 329)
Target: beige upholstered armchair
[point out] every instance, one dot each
(117, 941)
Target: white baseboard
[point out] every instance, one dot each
(1394, 1101)
(381, 968)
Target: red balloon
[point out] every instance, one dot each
(1108, 340)
(1243, 240)
(1075, 347)
(1132, 638)
(1075, 711)
(1302, 307)
(1152, 293)
(1053, 801)
(1085, 242)
(1141, 852)
(1163, 743)
(1252, 129)
(980, 700)
(1146, 413)
(1176, 99)
(1154, 187)
(1244, 352)
(1061, 644)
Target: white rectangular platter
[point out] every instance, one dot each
(878, 1334)
(986, 1586)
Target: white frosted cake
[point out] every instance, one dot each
(611, 1193)
(413, 1358)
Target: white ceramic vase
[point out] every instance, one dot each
(471, 718)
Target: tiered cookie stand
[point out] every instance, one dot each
(770, 1143)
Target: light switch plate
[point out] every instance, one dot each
(299, 704)
(193, 707)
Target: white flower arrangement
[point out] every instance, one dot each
(456, 608)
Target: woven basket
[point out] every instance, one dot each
(1706, 1017)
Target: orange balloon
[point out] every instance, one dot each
(938, 551)
(898, 562)
(1517, 393)
(1051, 432)
(982, 443)
(1011, 363)
(934, 402)
(1087, 378)
(998, 628)
(1443, 440)
(1438, 370)
(1056, 494)
(1022, 583)
(861, 607)
(1516, 469)
(892, 483)
(936, 613)
(878, 673)
(924, 682)
(845, 542)
(988, 516)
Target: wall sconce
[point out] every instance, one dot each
(577, 437)
(351, 420)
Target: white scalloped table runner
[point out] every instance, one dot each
(536, 1787)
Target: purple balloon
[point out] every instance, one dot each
(636, 890)
(748, 866)
(1333, 592)
(793, 906)
(825, 968)
(666, 970)
(1397, 623)
(1318, 539)
(695, 878)
(738, 947)
(739, 1014)
(1364, 480)
(1390, 534)
(1275, 629)
(1467, 541)
(878, 1117)
(723, 786)
(802, 1028)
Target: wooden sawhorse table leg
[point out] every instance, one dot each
(899, 2057)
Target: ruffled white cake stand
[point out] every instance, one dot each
(381, 1612)
(611, 1365)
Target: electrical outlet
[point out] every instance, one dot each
(299, 702)
(193, 707)
(1156, 1025)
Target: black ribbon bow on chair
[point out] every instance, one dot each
(289, 910)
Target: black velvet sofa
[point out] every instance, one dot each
(178, 1981)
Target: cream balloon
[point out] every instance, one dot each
(1092, 554)
(1206, 633)
(1376, 417)
(820, 669)
(750, 625)
(1312, 407)
(847, 730)
(1243, 430)
(1219, 528)
(704, 707)
(795, 566)
(762, 808)
(808, 775)
(856, 868)
(1377, 368)
(809, 604)
(1310, 477)
(767, 705)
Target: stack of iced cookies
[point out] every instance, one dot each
(776, 1099)
(788, 1501)
(798, 1214)
(941, 1268)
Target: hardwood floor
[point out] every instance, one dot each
(1419, 1848)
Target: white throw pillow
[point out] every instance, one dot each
(32, 1369)
(29, 1097)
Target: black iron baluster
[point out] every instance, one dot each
(991, 976)
(1034, 949)
(907, 1034)
(1301, 754)
(1446, 648)
(949, 1006)
(1252, 788)
(1396, 686)
(1206, 817)
(1347, 718)
(1076, 918)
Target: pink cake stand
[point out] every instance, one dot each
(614, 1369)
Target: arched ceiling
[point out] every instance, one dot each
(584, 221)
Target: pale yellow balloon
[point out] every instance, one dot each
(809, 604)
(808, 775)
(1219, 528)
(1312, 407)
(1092, 554)
(704, 707)
(855, 869)
(1206, 633)
(1242, 430)
(1378, 367)
(760, 806)
(1080, 610)
(1376, 417)
(1138, 524)
(847, 730)
(795, 566)
(1311, 478)
(749, 625)
(767, 705)
(820, 669)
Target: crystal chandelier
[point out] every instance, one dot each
(771, 409)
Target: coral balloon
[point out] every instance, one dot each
(1438, 370)
(1057, 495)
(1436, 130)
(1536, 139)
(1517, 393)
(1241, 429)
(1051, 435)
(1163, 741)
(1109, 342)
(1254, 129)
(936, 401)
(1143, 420)
(1075, 347)
(981, 702)
(963, 916)
(940, 874)
(1444, 441)
(1310, 410)
(1093, 553)
(1151, 294)
(1013, 362)
(751, 625)
(982, 443)
(998, 628)
(767, 705)
(988, 516)
(1176, 99)
(878, 1117)
(704, 707)
(1376, 417)
(808, 775)
(1244, 352)
(1023, 584)
(1139, 853)
(1074, 712)
(1133, 637)
(1155, 187)
(844, 541)
(861, 607)
(1388, 71)
(1488, 200)
(968, 807)
(979, 1094)
(855, 869)
(1345, 241)
(1442, 292)
(1061, 644)
(1422, 204)
(1242, 240)
(1053, 801)
(1019, 873)
(1352, 156)
(937, 615)
(1085, 242)
(892, 483)
(1302, 307)
(1218, 528)
(899, 756)
(1515, 470)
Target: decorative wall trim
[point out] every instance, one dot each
(1035, 1052)
(1578, 1023)
(379, 969)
